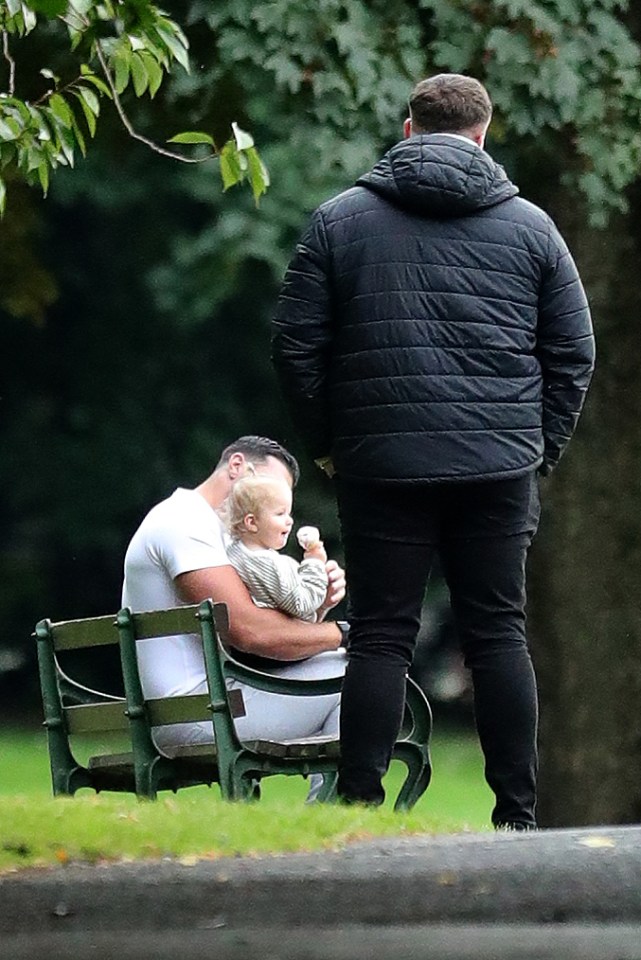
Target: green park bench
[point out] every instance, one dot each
(71, 709)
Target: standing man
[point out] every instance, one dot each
(434, 344)
(178, 556)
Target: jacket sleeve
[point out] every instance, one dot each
(565, 349)
(301, 339)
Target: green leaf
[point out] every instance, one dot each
(136, 42)
(91, 77)
(9, 129)
(17, 107)
(231, 169)
(67, 140)
(44, 134)
(164, 23)
(90, 99)
(244, 140)
(83, 6)
(29, 17)
(75, 36)
(192, 136)
(258, 174)
(157, 49)
(50, 8)
(154, 73)
(43, 175)
(32, 158)
(60, 149)
(8, 152)
(55, 125)
(139, 74)
(61, 108)
(90, 117)
(121, 72)
(177, 48)
(80, 138)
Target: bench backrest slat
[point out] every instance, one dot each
(76, 634)
(92, 718)
(165, 623)
(187, 709)
(97, 718)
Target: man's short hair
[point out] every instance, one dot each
(258, 449)
(449, 103)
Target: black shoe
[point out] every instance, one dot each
(359, 801)
(515, 825)
(359, 786)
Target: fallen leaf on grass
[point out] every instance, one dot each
(189, 861)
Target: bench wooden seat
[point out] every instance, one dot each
(113, 771)
(192, 767)
(324, 746)
(237, 766)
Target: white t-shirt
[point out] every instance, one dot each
(181, 534)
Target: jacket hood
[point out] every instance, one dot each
(439, 175)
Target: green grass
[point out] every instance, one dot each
(38, 830)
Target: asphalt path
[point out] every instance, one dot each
(351, 942)
(557, 893)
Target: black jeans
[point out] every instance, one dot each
(482, 532)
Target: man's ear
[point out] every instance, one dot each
(407, 128)
(236, 466)
(479, 134)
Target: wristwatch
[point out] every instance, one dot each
(343, 626)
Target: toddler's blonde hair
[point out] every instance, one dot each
(248, 495)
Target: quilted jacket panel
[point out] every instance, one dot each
(432, 324)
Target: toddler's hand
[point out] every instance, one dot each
(316, 552)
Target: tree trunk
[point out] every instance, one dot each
(585, 565)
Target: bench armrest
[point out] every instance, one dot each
(282, 685)
(73, 693)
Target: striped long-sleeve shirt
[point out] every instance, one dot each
(276, 580)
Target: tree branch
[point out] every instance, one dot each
(12, 63)
(127, 123)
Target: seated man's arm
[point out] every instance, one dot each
(268, 633)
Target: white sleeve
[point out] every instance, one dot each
(194, 543)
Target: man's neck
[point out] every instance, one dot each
(457, 136)
(215, 489)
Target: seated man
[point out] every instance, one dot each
(177, 556)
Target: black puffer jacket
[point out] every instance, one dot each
(432, 324)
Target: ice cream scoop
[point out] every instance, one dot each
(308, 537)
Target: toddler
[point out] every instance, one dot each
(258, 517)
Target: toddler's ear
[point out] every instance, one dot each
(249, 523)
